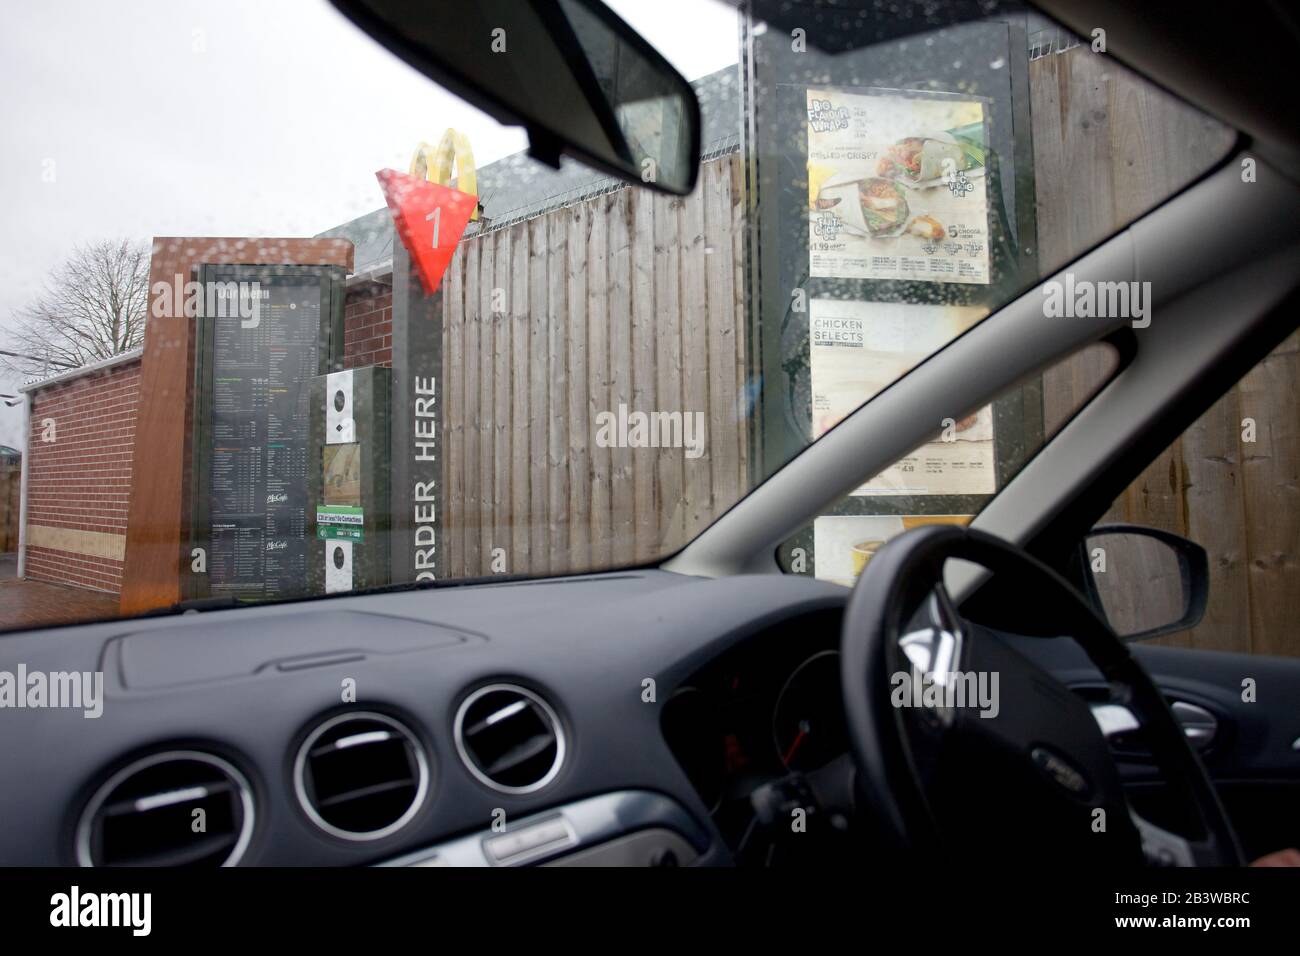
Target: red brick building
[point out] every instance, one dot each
(368, 324)
(80, 440)
(81, 437)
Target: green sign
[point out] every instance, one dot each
(339, 514)
(340, 522)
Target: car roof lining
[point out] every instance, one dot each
(1237, 68)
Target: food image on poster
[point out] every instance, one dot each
(844, 545)
(341, 470)
(857, 349)
(897, 186)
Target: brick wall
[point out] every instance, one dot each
(368, 326)
(79, 484)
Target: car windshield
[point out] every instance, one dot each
(228, 378)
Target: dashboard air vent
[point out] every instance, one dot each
(361, 776)
(178, 808)
(510, 738)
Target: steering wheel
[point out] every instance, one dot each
(962, 742)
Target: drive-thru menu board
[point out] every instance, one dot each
(897, 187)
(856, 349)
(893, 180)
(254, 429)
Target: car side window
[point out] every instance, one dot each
(1231, 484)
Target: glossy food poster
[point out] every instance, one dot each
(857, 349)
(897, 187)
(845, 544)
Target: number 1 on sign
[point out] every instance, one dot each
(436, 218)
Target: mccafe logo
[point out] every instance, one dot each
(220, 300)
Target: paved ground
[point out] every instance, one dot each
(35, 603)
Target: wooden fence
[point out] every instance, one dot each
(1109, 146)
(628, 299)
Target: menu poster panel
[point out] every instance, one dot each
(857, 349)
(843, 545)
(897, 186)
(254, 423)
(341, 468)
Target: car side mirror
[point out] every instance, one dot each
(1144, 581)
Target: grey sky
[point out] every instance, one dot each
(193, 118)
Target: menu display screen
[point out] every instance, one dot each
(255, 428)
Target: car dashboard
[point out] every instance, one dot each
(617, 718)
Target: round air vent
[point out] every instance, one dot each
(178, 808)
(509, 738)
(361, 776)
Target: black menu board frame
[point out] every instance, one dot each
(981, 55)
(328, 285)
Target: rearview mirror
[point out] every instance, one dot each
(1145, 581)
(578, 78)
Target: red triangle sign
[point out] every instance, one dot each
(430, 220)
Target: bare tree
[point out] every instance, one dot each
(92, 308)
